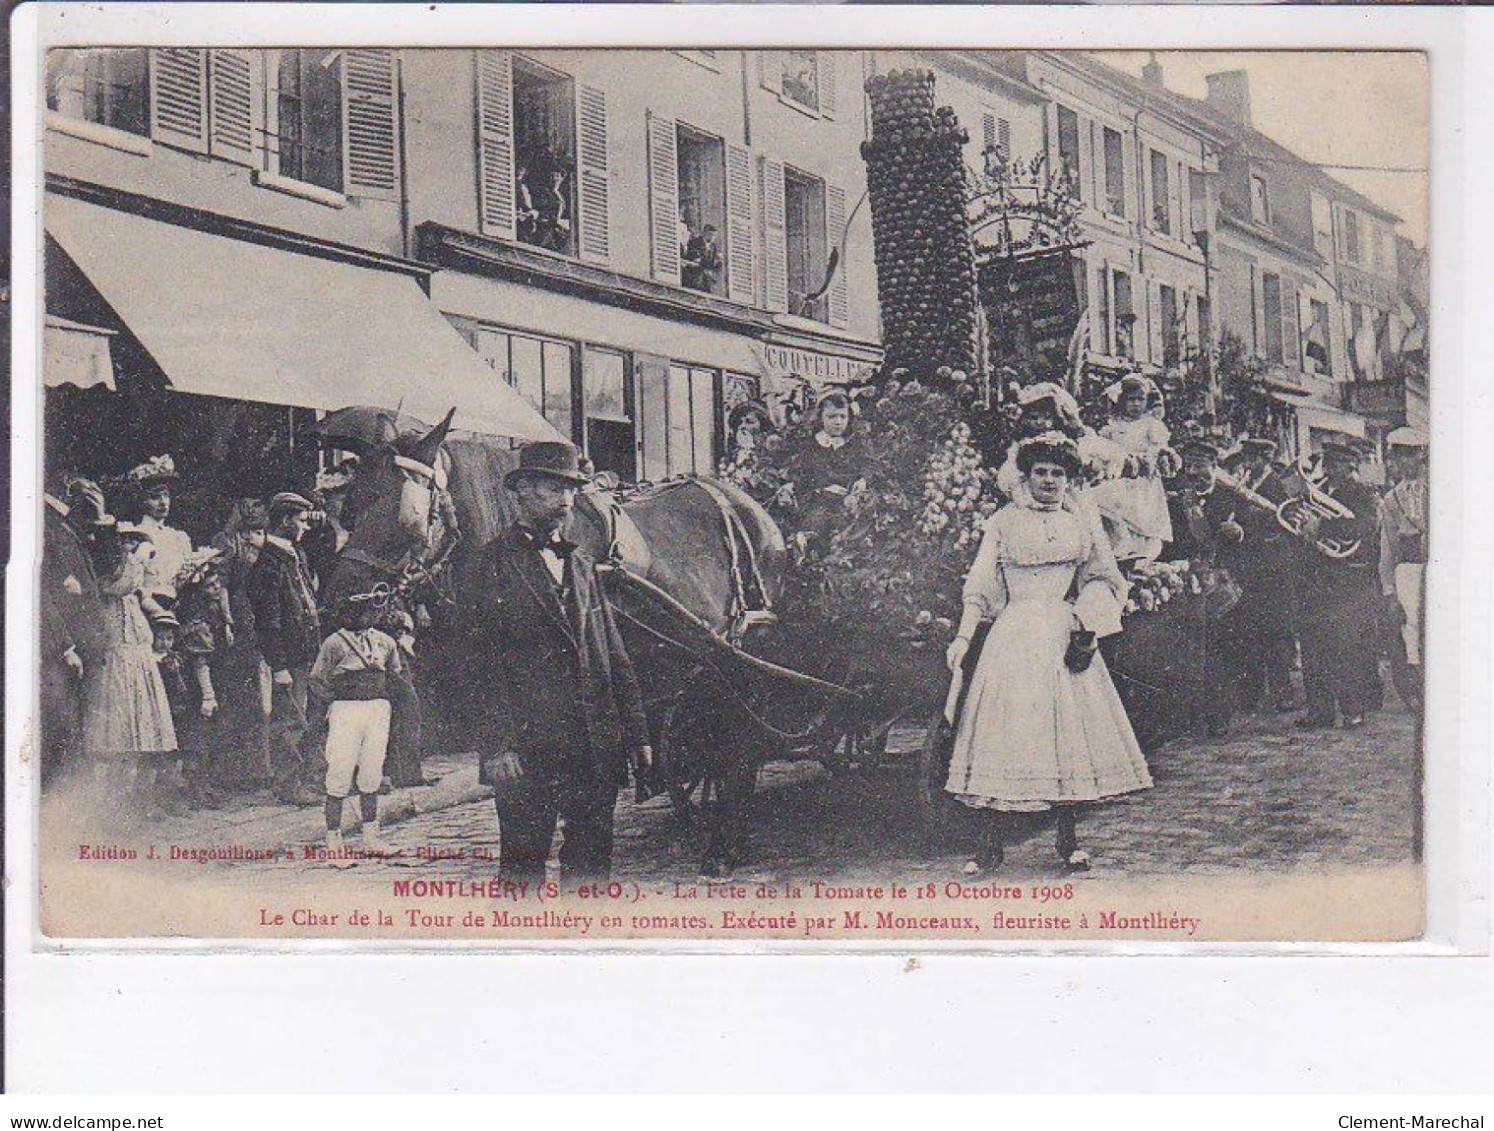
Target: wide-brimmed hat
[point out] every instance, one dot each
(153, 472)
(548, 459)
(1049, 447)
(745, 411)
(133, 531)
(164, 618)
(1039, 391)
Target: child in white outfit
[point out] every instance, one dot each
(351, 676)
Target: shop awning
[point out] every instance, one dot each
(75, 354)
(229, 318)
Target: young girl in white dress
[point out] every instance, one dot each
(1042, 725)
(1134, 506)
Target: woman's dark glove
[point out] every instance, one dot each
(1081, 651)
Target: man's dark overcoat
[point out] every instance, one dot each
(286, 625)
(550, 678)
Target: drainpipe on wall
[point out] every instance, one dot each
(746, 102)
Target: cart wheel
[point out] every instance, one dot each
(937, 816)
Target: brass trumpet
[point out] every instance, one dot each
(1292, 514)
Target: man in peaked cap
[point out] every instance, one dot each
(560, 712)
(288, 632)
(1338, 598)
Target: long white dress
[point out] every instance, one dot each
(1033, 733)
(1135, 508)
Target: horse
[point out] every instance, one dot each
(687, 564)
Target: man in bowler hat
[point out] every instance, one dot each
(558, 704)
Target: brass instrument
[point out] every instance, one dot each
(1292, 514)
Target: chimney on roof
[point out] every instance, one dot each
(1151, 74)
(1229, 93)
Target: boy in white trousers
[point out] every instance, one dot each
(350, 675)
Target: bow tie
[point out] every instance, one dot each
(559, 546)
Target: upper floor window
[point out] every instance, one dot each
(1322, 224)
(1068, 149)
(1317, 345)
(1161, 193)
(106, 86)
(1115, 173)
(702, 210)
(1271, 305)
(996, 141)
(545, 157)
(1260, 199)
(1125, 315)
(801, 78)
(1378, 244)
(1351, 236)
(804, 223)
(308, 117)
(1198, 203)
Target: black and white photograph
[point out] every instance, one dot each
(967, 495)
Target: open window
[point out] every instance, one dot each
(1161, 194)
(701, 161)
(1125, 315)
(1068, 149)
(801, 78)
(1115, 173)
(308, 117)
(1271, 307)
(805, 232)
(1172, 344)
(544, 123)
(1260, 199)
(107, 86)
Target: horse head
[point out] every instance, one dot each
(393, 504)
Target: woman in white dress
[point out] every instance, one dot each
(1042, 726)
(1134, 506)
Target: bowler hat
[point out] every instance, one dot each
(548, 459)
(1343, 446)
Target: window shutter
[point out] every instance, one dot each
(236, 105)
(770, 70)
(775, 238)
(495, 144)
(824, 62)
(370, 125)
(664, 197)
(988, 132)
(835, 221)
(1004, 138)
(178, 97)
(595, 218)
(740, 284)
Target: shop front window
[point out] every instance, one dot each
(539, 369)
(544, 103)
(107, 86)
(609, 425)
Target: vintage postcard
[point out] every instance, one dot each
(965, 497)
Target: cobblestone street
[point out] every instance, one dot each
(1266, 798)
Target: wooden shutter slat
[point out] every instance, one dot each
(664, 198)
(595, 205)
(835, 222)
(178, 97)
(775, 238)
(370, 136)
(740, 284)
(825, 79)
(495, 143)
(235, 105)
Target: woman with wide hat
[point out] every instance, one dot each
(150, 485)
(1042, 726)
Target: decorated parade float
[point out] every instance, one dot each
(882, 489)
